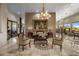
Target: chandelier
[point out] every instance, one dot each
(42, 14)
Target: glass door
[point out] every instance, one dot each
(9, 24)
(14, 29)
(11, 29)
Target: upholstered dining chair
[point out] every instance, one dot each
(23, 42)
(75, 43)
(58, 41)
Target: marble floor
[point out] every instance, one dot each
(69, 48)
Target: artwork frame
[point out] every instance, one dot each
(39, 24)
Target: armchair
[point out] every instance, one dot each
(23, 42)
(58, 41)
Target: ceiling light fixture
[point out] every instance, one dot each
(42, 14)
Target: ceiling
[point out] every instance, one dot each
(33, 7)
(62, 9)
(73, 18)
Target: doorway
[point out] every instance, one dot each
(11, 29)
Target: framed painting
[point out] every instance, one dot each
(40, 24)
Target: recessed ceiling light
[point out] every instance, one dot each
(66, 13)
(18, 12)
(37, 11)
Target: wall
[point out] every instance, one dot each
(4, 14)
(0, 20)
(51, 21)
(28, 21)
(3, 17)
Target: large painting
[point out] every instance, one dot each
(40, 24)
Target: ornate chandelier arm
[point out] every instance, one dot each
(43, 8)
(43, 14)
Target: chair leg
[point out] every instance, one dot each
(74, 36)
(19, 47)
(29, 44)
(60, 47)
(23, 48)
(52, 45)
(47, 42)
